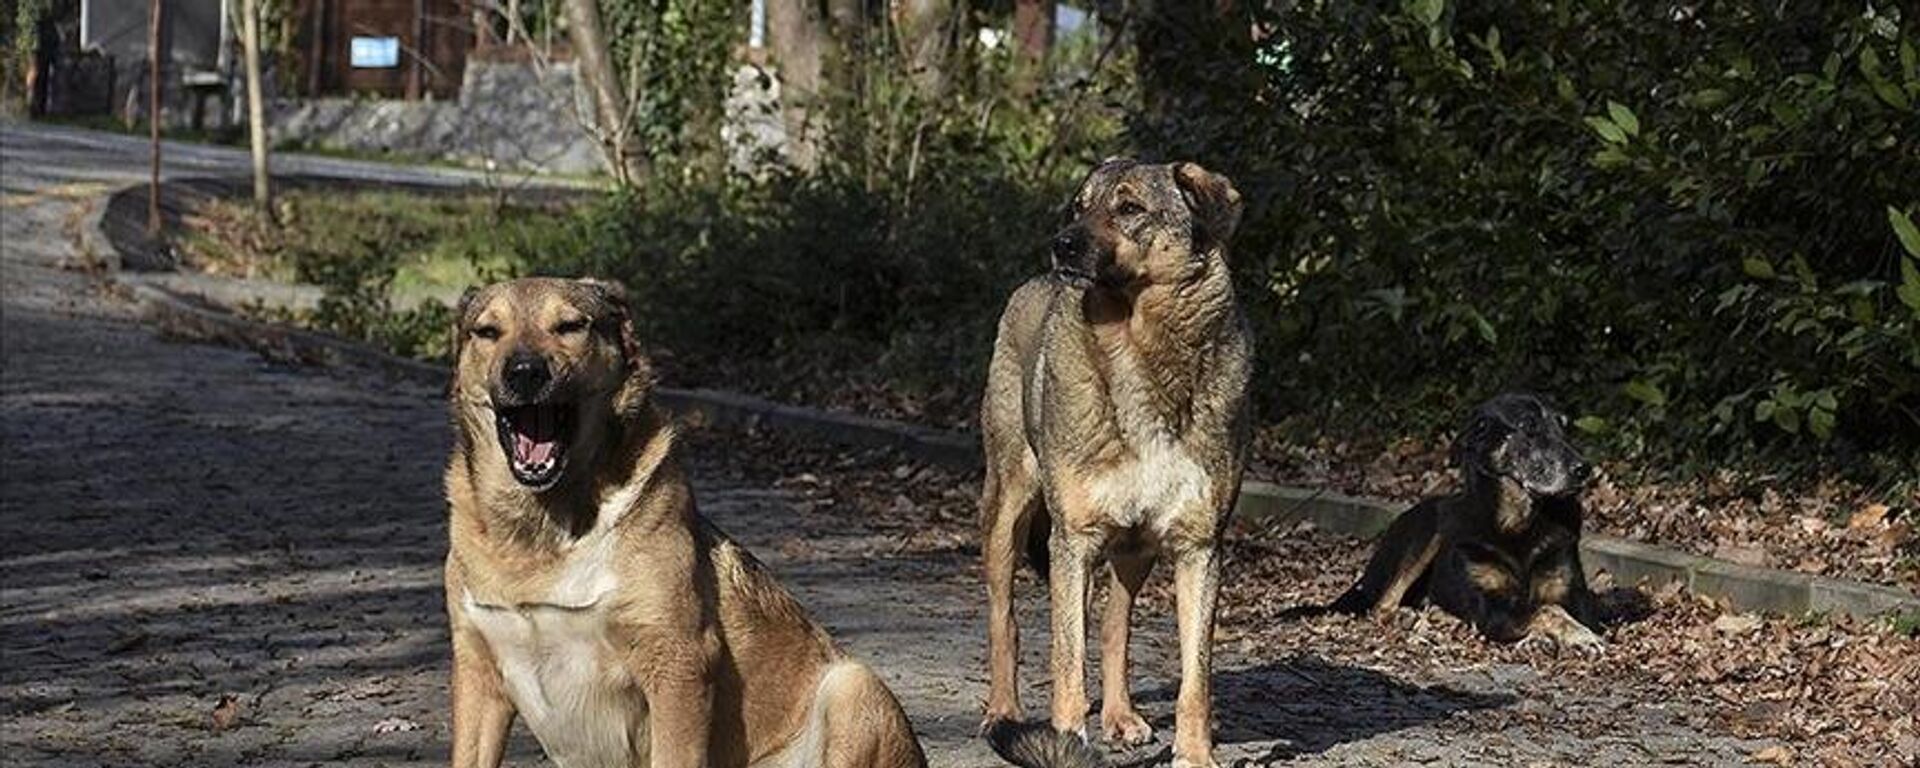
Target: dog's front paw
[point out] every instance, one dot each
(999, 714)
(1182, 762)
(1125, 727)
(1583, 640)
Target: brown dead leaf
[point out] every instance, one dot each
(227, 712)
(1778, 754)
(1736, 623)
(1868, 517)
(395, 725)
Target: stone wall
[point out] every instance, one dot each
(510, 114)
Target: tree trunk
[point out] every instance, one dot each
(795, 32)
(613, 125)
(156, 17)
(927, 31)
(256, 105)
(1033, 37)
(848, 19)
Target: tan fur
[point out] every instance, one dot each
(1404, 576)
(1118, 408)
(605, 611)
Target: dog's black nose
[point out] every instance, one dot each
(1580, 472)
(1066, 248)
(527, 375)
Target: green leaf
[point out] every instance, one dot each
(1763, 410)
(1592, 425)
(1904, 229)
(1641, 390)
(1484, 328)
(1825, 400)
(1757, 267)
(1624, 118)
(1909, 290)
(1820, 423)
(1787, 419)
(1608, 131)
(1427, 11)
(1611, 157)
(1706, 98)
(1870, 62)
(1888, 91)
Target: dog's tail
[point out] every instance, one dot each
(1353, 602)
(1038, 745)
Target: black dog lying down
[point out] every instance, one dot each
(1502, 554)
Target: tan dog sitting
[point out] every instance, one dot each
(585, 593)
(1115, 425)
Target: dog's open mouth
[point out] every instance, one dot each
(535, 438)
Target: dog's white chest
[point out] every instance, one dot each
(1162, 481)
(557, 659)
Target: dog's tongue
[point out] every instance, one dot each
(533, 435)
(526, 450)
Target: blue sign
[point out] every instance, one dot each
(375, 53)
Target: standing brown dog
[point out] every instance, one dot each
(1116, 425)
(587, 595)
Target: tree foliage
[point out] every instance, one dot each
(1680, 218)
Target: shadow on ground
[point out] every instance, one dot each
(1309, 705)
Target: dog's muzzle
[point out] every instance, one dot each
(1072, 258)
(534, 427)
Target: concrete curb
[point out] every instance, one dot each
(1742, 588)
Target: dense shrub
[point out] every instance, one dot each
(1676, 217)
(881, 268)
(1681, 219)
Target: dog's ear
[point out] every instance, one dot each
(1216, 205)
(462, 316)
(617, 316)
(462, 310)
(618, 321)
(1473, 448)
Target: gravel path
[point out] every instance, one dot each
(213, 560)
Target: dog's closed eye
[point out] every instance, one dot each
(570, 327)
(487, 332)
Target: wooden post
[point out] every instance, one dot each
(417, 46)
(256, 105)
(156, 12)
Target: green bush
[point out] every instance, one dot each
(1675, 217)
(1682, 220)
(881, 268)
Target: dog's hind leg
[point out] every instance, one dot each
(1410, 572)
(859, 724)
(1119, 721)
(1008, 505)
(1398, 567)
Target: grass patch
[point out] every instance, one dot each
(391, 263)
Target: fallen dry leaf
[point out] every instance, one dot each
(395, 725)
(1869, 516)
(1777, 754)
(227, 712)
(1736, 623)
